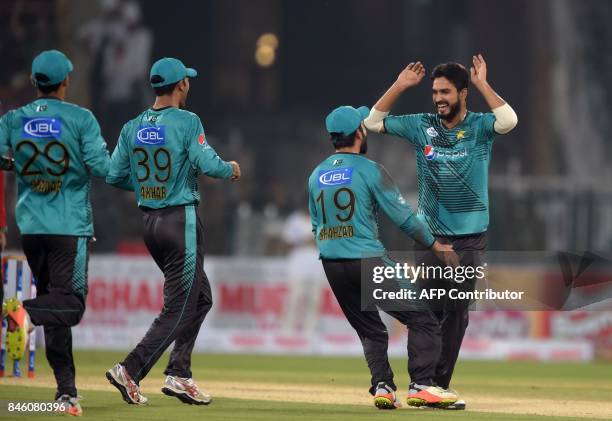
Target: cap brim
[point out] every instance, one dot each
(191, 72)
(364, 112)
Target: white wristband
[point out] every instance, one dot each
(505, 119)
(374, 122)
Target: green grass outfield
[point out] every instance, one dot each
(247, 387)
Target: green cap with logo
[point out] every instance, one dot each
(346, 119)
(167, 71)
(50, 68)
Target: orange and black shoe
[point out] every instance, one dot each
(430, 395)
(69, 405)
(384, 398)
(18, 327)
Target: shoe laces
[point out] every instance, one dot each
(191, 384)
(132, 387)
(72, 400)
(383, 386)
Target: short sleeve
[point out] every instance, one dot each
(404, 126)
(487, 126)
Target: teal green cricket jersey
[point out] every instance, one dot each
(159, 154)
(452, 169)
(346, 191)
(57, 147)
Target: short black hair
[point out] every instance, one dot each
(162, 90)
(45, 89)
(340, 140)
(456, 73)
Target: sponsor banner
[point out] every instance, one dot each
(589, 326)
(265, 305)
(527, 349)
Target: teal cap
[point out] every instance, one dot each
(167, 71)
(346, 119)
(50, 68)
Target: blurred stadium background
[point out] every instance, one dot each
(270, 71)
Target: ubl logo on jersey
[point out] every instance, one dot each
(42, 128)
(332, 178)
(151, 135)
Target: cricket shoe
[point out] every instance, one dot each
(18, 327)
(119, 377)
(457, 406)
(185, 390)
(384, 398)
(423, 395)
(69, 405)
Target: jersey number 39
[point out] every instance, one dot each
(161, 161)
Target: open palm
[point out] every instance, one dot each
(411, 75)
(478, 71)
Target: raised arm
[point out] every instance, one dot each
(505, 117)
(409, 77)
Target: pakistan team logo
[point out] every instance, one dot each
(432, 132)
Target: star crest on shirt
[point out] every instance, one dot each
(461, 134)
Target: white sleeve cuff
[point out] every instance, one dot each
(374, 122)
(505, 119)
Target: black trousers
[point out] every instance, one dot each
(424, 341)
(453, 314)
(175, 239)
(59, 264)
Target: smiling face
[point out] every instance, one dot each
(447, 100)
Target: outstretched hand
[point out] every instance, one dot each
(478, 71)
(411, 75)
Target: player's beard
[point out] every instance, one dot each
(453, 110)
(364, 146)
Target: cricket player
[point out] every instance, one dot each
(159, 155)
(57, 147)
(453, 152)
(346, 191)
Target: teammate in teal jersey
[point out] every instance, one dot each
(346, 191)
(159, 155)
(57, 147)
(453, 152)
